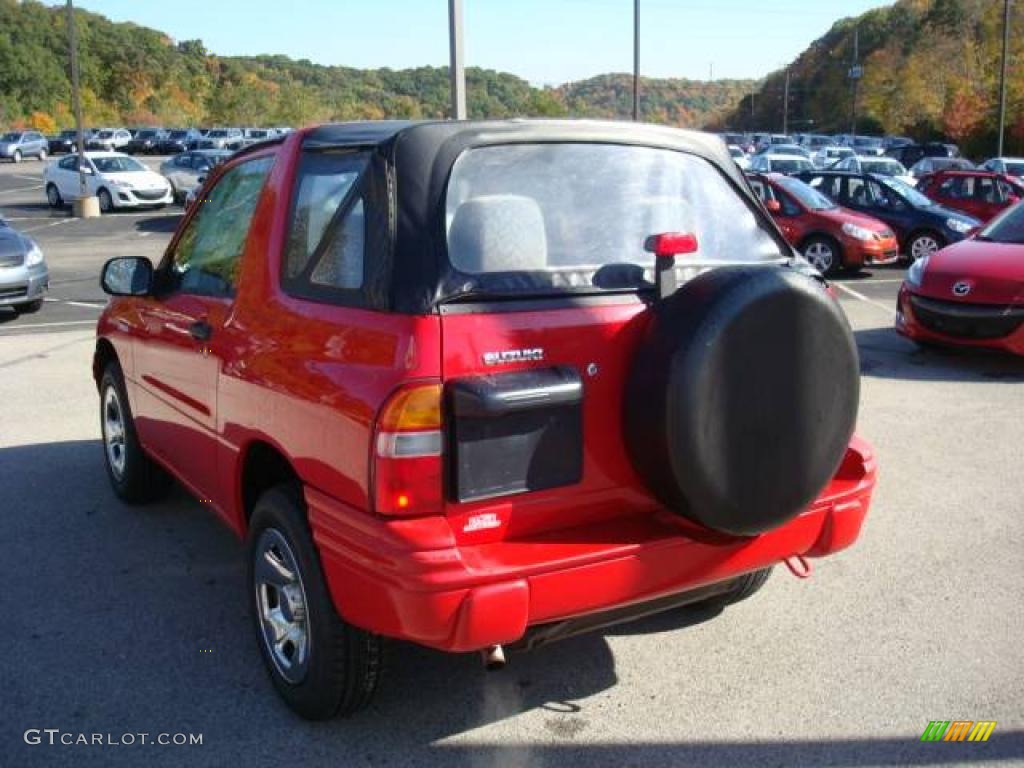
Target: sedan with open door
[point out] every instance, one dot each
(118, 180)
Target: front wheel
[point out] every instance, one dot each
(42, 155)
(134, 476)
(923, 244)
(823, 254)
(106, 201)
(17, 156)
(320, 665)
(53, 196)
(30, 308)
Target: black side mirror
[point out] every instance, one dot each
(127, 276)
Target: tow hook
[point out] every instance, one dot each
(798, 566)
(493, 657)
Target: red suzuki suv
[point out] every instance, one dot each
(480, 385)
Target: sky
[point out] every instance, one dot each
(543, 41)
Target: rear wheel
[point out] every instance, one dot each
(106, 201)
(17, 156)
(742, 588)
(28, 309)
(134, 476)
(42, 155)
(320, 665)
(823, 254)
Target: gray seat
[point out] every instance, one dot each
(498, 233)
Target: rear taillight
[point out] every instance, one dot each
(408, 447)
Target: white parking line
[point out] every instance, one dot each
(5, 328)
(23, 177)
(70, 303)
(858, 295)
(20, 189)
(47, 226)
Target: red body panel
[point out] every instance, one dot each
(310, 378)
(994, 275)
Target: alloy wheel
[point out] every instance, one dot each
(114, 431)
(281, 605)
(821, 256)
(923, 245)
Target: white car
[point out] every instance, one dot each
(772, 163)
(109, 139)
(883, 166)
(826, 157)
(119, 181)
(1011, 166)
(739, 157)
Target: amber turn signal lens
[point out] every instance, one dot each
(415, 407)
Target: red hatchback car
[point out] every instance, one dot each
(477, 385)
(829, 237)
(981, 194)
(970, 293)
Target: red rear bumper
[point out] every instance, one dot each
(408, 579)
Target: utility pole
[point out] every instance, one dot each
(86, 205)
(636, 60)
(456, 68)
(1002, 75)
(785, 106)
(855, 74)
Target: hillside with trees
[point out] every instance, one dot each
(132, 75)
(930, 70)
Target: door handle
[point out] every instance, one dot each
(200, 330)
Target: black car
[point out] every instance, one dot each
(908, 154)
(178, 140)
(922, 226)
(65, 141)
(145, 141)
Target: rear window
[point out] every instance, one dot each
(577, 215)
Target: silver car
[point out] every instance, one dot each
(15, 145)
(185, 170)
(24, 276)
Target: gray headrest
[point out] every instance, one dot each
(498, 233)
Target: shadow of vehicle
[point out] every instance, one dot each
(163, 224)
(886, 354)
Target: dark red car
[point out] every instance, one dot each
(970, 293)
(477, 385)
(981, 194)
(829, 237)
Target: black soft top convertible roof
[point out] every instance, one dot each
(412, 162)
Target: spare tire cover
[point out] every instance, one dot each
(742, 397)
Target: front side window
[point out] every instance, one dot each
(207, 257)
(326, 240)
(570, 215)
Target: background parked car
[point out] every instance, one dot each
(65, 141)
(785, 149)
(829, 237)
(927, 165)
(980, 194)
(24, 276)
(1011, 166)
(119, 181)
(145, 141)
(185, 170)
(884, 166)
(828, 156)
(908, 154)
(178, 140)
(220, 138)
(739, 157)
(109, 139)
(17, 145)
(770, 162)
(922, 226)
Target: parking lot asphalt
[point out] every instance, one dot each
(126, 620)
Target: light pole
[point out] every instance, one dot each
(1002, 76)
(785, 105)
(636, 60)
(456, 69)
(86, 205)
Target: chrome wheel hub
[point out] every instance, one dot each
(114, 431)
(820, 256)
(281, 605)
(923, 246)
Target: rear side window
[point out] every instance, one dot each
(327, 238)
(574, 215)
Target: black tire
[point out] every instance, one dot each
(29, 309)
(742, 587)
(140, 479)
(742, 397)
(344, 663)
(106, 201)
(828, 253)
(42, 156)
(53, 196)
(16, 157)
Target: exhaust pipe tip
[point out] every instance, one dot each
(493, 658)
